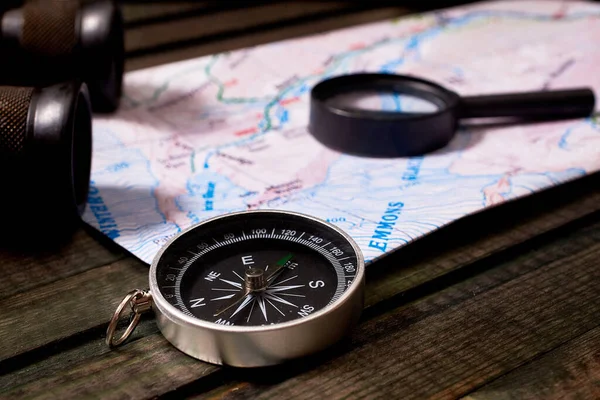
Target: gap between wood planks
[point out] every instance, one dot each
(44, 352)
(136, 14)
(571, 370)
(442, 345)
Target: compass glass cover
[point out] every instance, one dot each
(254, 269)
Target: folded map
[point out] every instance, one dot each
(227, 132)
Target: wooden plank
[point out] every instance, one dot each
(66, 307)
(197, 26)
(402, 326)
(570, 371)
(229, 43)
(148, 367)
(26, 270)
(454, 341)
(14, 375)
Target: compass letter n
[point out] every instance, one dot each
(197, 302)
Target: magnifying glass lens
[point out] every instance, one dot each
(382, 100)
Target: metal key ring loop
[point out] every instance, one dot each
(139, 302)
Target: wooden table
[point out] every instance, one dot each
(504, 304)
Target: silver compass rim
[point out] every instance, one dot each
(177, 316)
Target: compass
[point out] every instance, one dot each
(253, 288)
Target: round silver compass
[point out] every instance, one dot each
(257, 288)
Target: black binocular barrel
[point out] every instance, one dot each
(45, 42)
(45, 159)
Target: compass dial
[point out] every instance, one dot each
(256, 269)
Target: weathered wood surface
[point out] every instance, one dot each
(25, 270)
(147, 368)
(259, 34)
(198, 25)
(67, 307)
(570, 371)
(499, 305)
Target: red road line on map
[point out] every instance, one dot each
(247, 131)
(285, 102)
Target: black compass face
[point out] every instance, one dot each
(255, 269)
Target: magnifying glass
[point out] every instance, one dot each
(389, 115)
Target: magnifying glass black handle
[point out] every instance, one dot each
(368, 132)
(571, 103)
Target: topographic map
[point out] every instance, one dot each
(227, 132)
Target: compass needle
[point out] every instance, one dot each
(256, 279)
(246, 301)
(279, 266)
(237, 298)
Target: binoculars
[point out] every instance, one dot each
(61, 62)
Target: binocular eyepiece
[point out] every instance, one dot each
(44, 42)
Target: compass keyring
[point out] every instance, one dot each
(339, 121)
(252, 288)
(139, 302)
